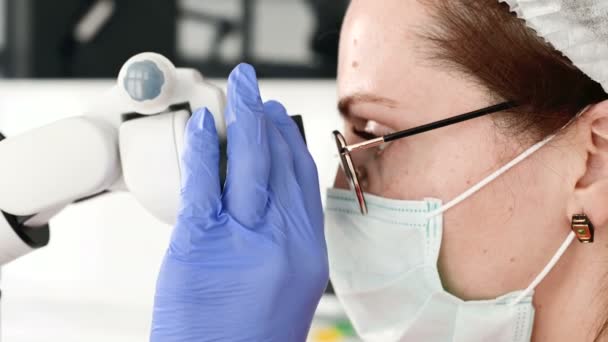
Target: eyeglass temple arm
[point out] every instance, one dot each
(430, 126)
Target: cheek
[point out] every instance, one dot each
(404, 171)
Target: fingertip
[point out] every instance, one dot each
(242, 70)
(200, 121)
(243, 94)
(274, 106)
(277, 113)
(243, 80)
(208, 121)
(195, 118)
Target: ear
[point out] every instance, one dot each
(590, 195)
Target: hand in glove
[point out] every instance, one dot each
(248, 263)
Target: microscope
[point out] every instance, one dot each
(130, 139)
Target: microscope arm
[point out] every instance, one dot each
(130, 139)
(45, 169)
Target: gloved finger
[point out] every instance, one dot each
(200, 185)
(283, 182)
(246, 188)
(304, 166)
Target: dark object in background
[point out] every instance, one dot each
(300, 123)
(41, 39)
(325, 40)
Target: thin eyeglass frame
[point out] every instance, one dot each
(345, 150)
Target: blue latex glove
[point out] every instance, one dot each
(248, 263)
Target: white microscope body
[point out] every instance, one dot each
(130, 140)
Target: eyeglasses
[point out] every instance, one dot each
(345, 150)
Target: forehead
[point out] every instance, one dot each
(381, 47)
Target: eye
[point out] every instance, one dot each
(363, 134)
(369, 129)
(358, 127)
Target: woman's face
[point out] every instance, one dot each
(499, 239)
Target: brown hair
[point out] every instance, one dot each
(483, 39)
(488, 43)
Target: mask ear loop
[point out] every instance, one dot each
(561, 250)
(546, 270)
(500, 171)
(489, 179)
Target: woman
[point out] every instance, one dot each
(249, 263)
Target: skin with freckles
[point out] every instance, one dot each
(499, 239)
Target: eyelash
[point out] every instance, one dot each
(363, 134)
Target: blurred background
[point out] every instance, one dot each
(69, 38)
(95, 280)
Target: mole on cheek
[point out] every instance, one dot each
(355, 41)
(355, 64)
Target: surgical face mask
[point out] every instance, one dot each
(383, 267)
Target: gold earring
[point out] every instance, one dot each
(583, 228)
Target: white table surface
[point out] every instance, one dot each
(95, 281)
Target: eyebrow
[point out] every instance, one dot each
(345, 104)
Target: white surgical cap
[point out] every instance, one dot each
(577, 28)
